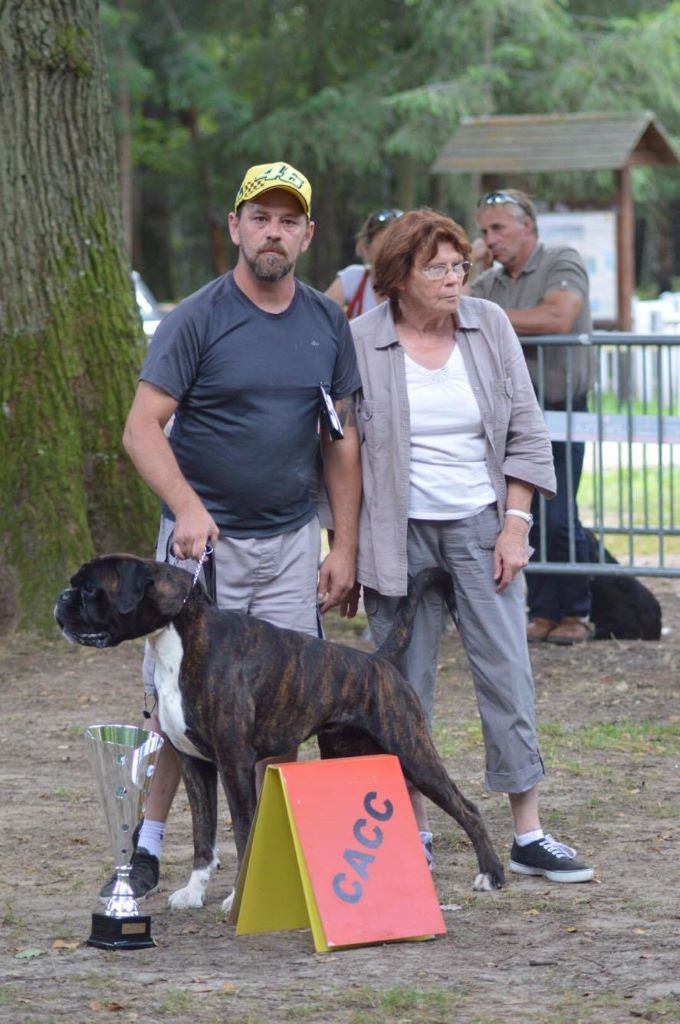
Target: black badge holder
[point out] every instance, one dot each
(330, 416)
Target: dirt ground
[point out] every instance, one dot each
(608, 951)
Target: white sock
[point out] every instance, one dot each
(529, 837)
(151, 837)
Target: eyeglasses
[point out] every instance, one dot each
(502, 198)
(438, 271)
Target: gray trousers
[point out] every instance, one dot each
(492, 629)
(272, 578)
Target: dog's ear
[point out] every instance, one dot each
(134, 578)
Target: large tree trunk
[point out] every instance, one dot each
(71, 341)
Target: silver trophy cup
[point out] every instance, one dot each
(123, 759)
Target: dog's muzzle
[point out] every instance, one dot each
(87, 639)
(78, 633)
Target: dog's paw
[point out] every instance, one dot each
(228, 903)
(484, 883)
(193, 893)
(185, 898)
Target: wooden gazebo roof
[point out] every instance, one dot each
(516, 144)
(529, 143)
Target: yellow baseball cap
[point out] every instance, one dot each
(264, 177)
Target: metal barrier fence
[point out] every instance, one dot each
(629, 494)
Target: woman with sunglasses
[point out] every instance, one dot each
(353, 286)
(453, 446)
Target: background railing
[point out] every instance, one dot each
(629, 494)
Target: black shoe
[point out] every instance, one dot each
(143, 876)
(549, 858)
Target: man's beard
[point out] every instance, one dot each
(269, 266)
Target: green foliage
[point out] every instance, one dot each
(356, 89)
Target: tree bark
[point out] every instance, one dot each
(70, 336)
(124, 146)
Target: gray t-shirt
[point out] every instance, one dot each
(245, 432)
(552, 268)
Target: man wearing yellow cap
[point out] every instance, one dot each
(247, 368)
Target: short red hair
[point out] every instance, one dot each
(411, 238)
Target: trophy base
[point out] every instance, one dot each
(121, 932)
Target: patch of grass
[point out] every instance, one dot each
(454, 838)
(564, 745)
(611, 403)
(597, 803)
(344, 630)
(573, 1008)
(399, 1004)
(625, 736)
(8, 916)
(460, 738)
(638, 908)
(68, 795)
(312, 1011)
(663, 1010)
(486, 1020)
(629, 499)
(544, 904)
(9, 994)
(242, 1017)
(176, 1001)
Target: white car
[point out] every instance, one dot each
(148, 307)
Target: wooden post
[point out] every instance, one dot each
(625, 253)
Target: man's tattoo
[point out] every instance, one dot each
(345, 411)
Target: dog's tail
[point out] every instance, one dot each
(399, 636)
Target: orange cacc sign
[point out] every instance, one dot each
(335, 847)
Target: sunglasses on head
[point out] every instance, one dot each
(383, 216)
(501, 199)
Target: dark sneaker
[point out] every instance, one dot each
(426, 840)
(143, 876)
(549, 858)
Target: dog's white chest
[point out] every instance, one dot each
(168, 651)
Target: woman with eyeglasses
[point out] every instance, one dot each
(353, 286)
(453, 446)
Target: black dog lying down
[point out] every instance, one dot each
(233, 689)
(621, 607)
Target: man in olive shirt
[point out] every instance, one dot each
(544, 290)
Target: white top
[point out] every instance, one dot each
(350, 279)
(448, 474)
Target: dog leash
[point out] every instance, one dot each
(208, 550)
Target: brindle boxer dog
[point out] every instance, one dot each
(233, 689)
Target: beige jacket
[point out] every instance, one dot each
(517, 442)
